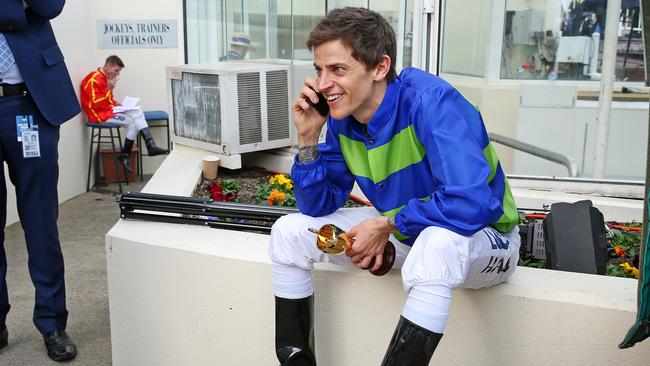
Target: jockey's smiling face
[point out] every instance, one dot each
(350, 87)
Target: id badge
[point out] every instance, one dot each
(31, 146)
(27, 133)
(23, 123)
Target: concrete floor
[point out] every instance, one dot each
(83, 222)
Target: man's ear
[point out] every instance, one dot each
(382, 68)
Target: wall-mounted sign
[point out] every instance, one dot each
(137, 34)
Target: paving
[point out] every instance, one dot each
(83, 223)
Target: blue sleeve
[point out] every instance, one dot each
(453, 135)
(12, 16)
(48, 9)
(322, 186)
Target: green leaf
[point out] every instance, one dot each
(230, 186)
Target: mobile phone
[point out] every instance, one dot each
(321, 107)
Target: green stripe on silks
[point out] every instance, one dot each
(399, 236)
(510, 216)
(492, 159)
(640, 330)
(377, 164)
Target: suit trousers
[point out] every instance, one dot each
(35, 180)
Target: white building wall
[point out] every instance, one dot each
(143, 76)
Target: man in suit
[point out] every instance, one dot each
(36, 96)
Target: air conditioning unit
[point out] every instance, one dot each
(230, 107)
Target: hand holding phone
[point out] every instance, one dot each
(321, 107)
(309, 117)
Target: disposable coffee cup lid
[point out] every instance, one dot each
(211, 158)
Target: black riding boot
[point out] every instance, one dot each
(124, 156)
(411, 345)
(152, 149)
(294, 331)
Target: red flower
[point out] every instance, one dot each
(230, 197)
(218, 196)
(215, 188)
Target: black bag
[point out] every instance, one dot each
(575, 238)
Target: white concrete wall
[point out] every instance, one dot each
(143, 76)
(572, 131)
(208, 300)
(191, 295)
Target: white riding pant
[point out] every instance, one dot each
(132, 120)
(438, 262)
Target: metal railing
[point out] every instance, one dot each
(549, 155)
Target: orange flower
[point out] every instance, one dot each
(276, 196)
(619, 251)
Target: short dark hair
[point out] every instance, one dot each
(114, 61)
(366, 32)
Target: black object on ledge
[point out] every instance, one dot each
(200, 211)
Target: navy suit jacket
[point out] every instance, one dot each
(39, 59)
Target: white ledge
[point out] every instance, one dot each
(192, 295)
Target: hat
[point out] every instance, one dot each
(242, 39)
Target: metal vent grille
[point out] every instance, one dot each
(250, 109)
(197, 107)
(277, 100)
(539, 246)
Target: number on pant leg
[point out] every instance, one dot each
(496, 239)
(496, 264)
